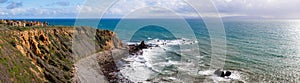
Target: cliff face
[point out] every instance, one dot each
(43, 54)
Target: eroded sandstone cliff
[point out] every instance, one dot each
(44, 54)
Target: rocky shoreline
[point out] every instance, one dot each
(136, 49)
(110, 70)
(107, 63)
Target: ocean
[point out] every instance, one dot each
(256, 50)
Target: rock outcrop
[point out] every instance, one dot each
(136, 49)
(107, 61)
(43, 54)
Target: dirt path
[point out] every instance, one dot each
(88, 70)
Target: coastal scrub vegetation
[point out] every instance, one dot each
(41, 54)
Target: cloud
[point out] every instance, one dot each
(260, 8)
(38, 13)
(162, 8)
(3, 1)
(13, 5)
(60, 3)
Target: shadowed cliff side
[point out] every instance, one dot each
(44, 54)
(84, 41)
(88, 53)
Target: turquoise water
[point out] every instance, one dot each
(257, 50)
(266, 50)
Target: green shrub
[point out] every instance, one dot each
(14, 43)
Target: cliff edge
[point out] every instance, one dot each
(44, 54)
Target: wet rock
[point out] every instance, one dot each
(143, 45)
(227, 73)
(110, 70)
(220, 73)
(137, 49)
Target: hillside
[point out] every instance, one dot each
(44, 54)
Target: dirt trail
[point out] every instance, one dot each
(88, 70)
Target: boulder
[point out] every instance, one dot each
(143, 45)
(137, 49)
(227, 73)
(220, 73)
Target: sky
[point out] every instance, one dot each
(273, 9)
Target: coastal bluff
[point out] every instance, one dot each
(44, 53)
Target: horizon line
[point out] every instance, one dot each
(223, 18)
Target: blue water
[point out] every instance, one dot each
(258, 50)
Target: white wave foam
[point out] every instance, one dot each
(132, 43)
(141, 67)
(235, 75)
(137, 69)
(174, 42)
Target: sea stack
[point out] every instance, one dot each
(143, 45)
(137, 49)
